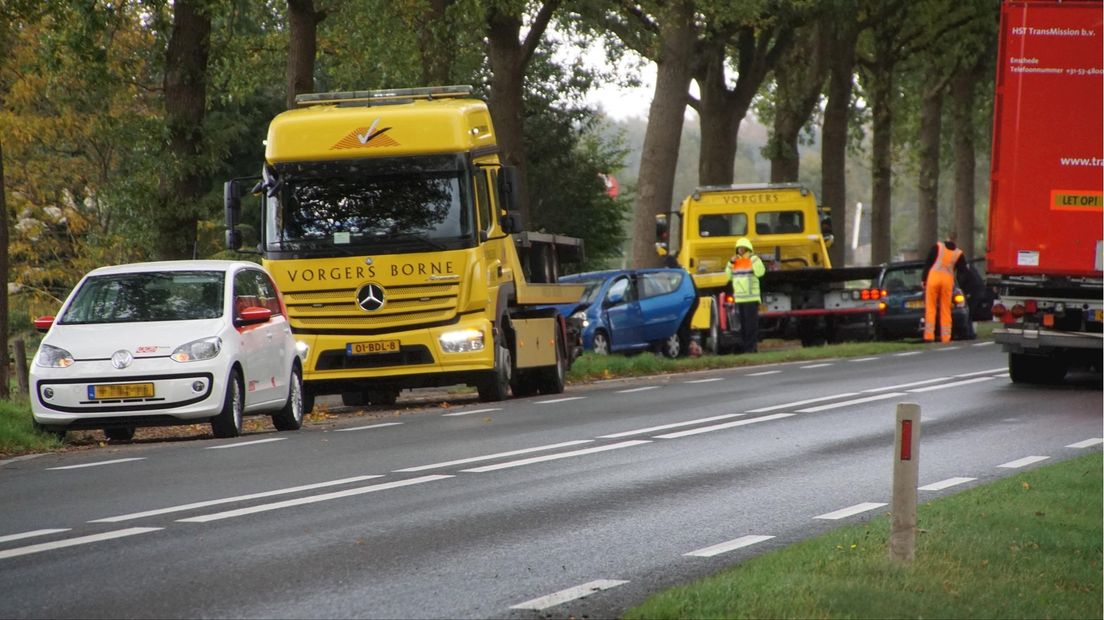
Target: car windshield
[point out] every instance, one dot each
(409, 205)
(147, 296)
(903, 280)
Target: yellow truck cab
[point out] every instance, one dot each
(803, 296)
(387, 222)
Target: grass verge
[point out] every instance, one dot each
(17, 434)
(1028, 546)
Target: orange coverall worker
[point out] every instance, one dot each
(939, 281)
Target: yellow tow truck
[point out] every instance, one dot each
(390, 226)
(803, 296)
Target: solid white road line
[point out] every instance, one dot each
(944, 484)
(848, 403)
(705, 380)
(228, 500)
(982, 372)
(473, 411)
(366, 428)
(905, 385)
(1088, 443)
(97, 464)
(310, 500)
(31, 534)
(932, 388)
(907, 353)
(639, 389)
(764, 373)
(802, 402)
(557, 456)
(72, 542)
(1024, 462)
(246, 443)
(569, 594)
(558, 400)
(811, 366)
(850, 510)
(664, 427)
(737, 543)
(490, 457)
(719, 427)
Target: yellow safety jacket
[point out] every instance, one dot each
(745, 273)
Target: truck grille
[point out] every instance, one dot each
(405, 307)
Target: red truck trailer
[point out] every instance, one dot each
(1045, 251)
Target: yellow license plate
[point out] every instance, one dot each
(372, 347)
(915, 305)
(116, 391)
(1098, 315)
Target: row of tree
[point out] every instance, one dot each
(121, 118)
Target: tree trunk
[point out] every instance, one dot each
(185, 86)
(659, 154)
(833, 146)
(302, 47)
(799, 79)
(5, 377)
(962, 116)
(720, 121)
(881, 165)
(931, 114)
(434, 46)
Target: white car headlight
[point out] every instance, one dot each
(580, 316)
(54, 357)
(197, 350)
(462, 341)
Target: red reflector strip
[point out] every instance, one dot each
(906, 440)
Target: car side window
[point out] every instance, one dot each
(266, 293)
(661, 283)
(620, 288)
(248, 291)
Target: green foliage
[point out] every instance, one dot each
(17, 433)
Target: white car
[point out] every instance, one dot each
(178, 342)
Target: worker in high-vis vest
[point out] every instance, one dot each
(745, 269)
(944, 260)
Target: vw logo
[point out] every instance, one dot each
(370, 297)
(121, 359)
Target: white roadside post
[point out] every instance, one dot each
(906, 468)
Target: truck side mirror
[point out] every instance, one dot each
(509, 187)
(231, 202)
(510, 222)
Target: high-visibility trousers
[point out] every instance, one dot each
(937, 298)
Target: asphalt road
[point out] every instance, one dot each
(612, 490)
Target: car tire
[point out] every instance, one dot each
(672, 347)
(381, 397)
(601, 344)
(524, 383)
(228, 423)
(290, 416)
(496, 386)
(308, 401)
(119, 433)
(551, 380)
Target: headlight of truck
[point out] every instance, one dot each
(198, 350)
(302, 349)
(580, 318)
(462, 341)
(53, 357)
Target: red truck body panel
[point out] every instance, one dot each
(1047, 176)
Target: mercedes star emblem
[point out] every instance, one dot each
(370, 297)
(121, 359)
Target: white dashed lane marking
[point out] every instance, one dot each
(732, 545)
(762, 374)
(1024, 462)
(849, 403)
(246, 443)
(944, 484)
(906, 354)
(97, 464)
(664, 427)
(982, 344)
(72, 542)
(367, 428)
(802, 402)
(473, 411)
(557, 456)
(491, 457)
(863, 359)
(843, 513)
(932, 388)
(639, 389)
(1088, 443)
(981, 372)
(570, 594)
(811, 366)
(559, 400)
(905, 385)
(721, 427)
(711, 380)
(31, 534)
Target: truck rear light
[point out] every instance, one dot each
(1017, 311)
(881, 307)
(730, 299)
(885, 293)
(1031, 306)
(959, 299)
(999, 310)
(1048, 320)
(864, 294)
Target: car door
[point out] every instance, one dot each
(623, 315)
(663, 304)
(259, 354)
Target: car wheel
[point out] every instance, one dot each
(524, 383)
(601, 344)
(672, 346)
(381, 397)
(119, 433)
(228, 423)
(290, 416)
(496, 387)
(551, 380)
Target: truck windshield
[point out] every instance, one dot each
(390, 206)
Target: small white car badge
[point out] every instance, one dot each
(121, 359)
